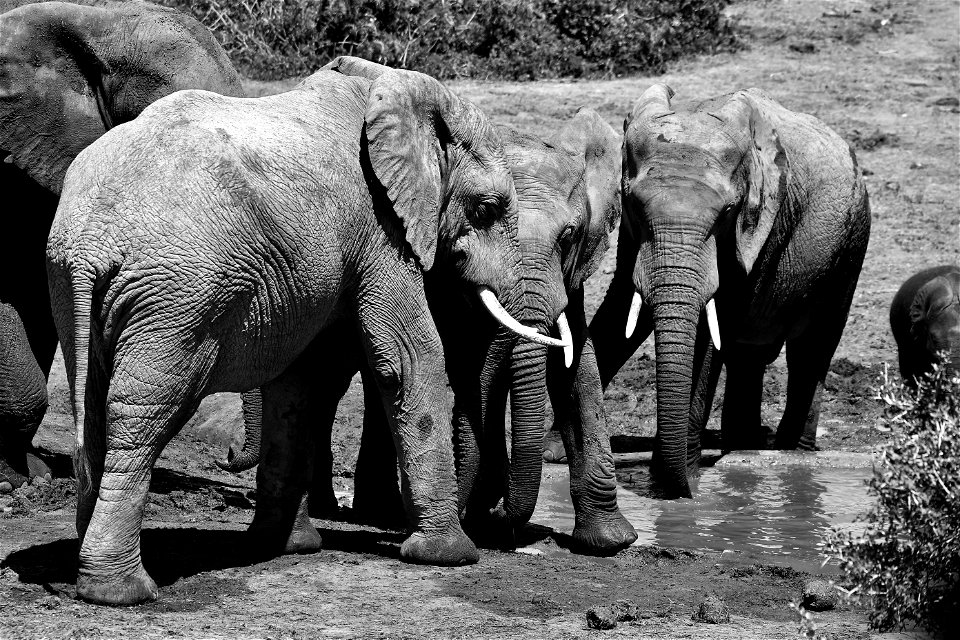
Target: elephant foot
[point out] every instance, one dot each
(553, 450)
(117, 590)
(303, 539)
(448, 550)
(603, 536)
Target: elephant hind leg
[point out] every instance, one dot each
(291, 410)
(145, 408)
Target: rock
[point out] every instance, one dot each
(600, 617)
(28, 491)
(37, 481)
(803, 47)
(5, 487)
(625, 610)
(712, 610)
(50, 602)
(948, 101)
(818, 595)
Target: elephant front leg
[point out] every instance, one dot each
(291, 410)
(600, 528)
(406, 357)
(740, 425)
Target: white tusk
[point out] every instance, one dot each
(565, 336)
(712, 323)
(634, 312)
(489, 299)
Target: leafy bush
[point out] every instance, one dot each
(513, 39)
(907, 563)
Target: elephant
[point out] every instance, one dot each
(291, 213)
(569, 202)
(744, 225)
(69, 71)
(925, 320)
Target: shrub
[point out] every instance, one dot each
(907, 563)
(512, 39)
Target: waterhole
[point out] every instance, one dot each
(758, 512)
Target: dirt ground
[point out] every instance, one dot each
(883, 73)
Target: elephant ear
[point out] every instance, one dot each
(69, 72)
(52, 102)
(767, 172)
(407, 127)
(357, 67)
(596, 142)
(928, 302)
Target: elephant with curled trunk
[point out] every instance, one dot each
(290, 213)
(925, 320)
(568, 200)
(744, 228)
(70, 71)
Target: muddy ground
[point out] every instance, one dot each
(882, 73)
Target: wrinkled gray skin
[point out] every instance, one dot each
(763, 210)
(569, 201)
(288, 212)
(925, 320)
(68, 73)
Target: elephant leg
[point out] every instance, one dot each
(291, 409)
(406, 358)
(341, 359)
(808, 360)
(577, 394)
(612, 348)
(376, 493)
(740, 426)
(706, 373)
(143, 412)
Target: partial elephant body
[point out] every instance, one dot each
(751, 219)
(568, 201)
(69, 71)
(925, 320)
(288, 213)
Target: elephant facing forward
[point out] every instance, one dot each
(745, 225)
(70, 71)
(568, 195)
(925, 320)
(289, 212)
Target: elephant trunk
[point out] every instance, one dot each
(249, 456)
(675, 316)
(527, 406)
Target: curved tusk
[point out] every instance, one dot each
(634, 312)
(567, 338)
(489, 299)
(713, 323)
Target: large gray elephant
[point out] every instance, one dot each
(569, 200)
(744, 225)
(289, 212)
(69, 71)
(925, 320)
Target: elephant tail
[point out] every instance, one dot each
(75, 342)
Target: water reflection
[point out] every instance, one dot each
(774, 512)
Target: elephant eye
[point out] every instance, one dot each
(485, 212)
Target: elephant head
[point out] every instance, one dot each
(568, 193)
(702, 190)
(925, 319)
(70, 71)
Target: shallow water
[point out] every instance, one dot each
(769, 513)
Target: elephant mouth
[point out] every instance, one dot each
(501, 315)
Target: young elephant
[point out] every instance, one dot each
(750, 220)
(288, 213)
(69, 71)
(925, 319)
(568, 199)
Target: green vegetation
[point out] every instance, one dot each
(907, 563)
(508, 39)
